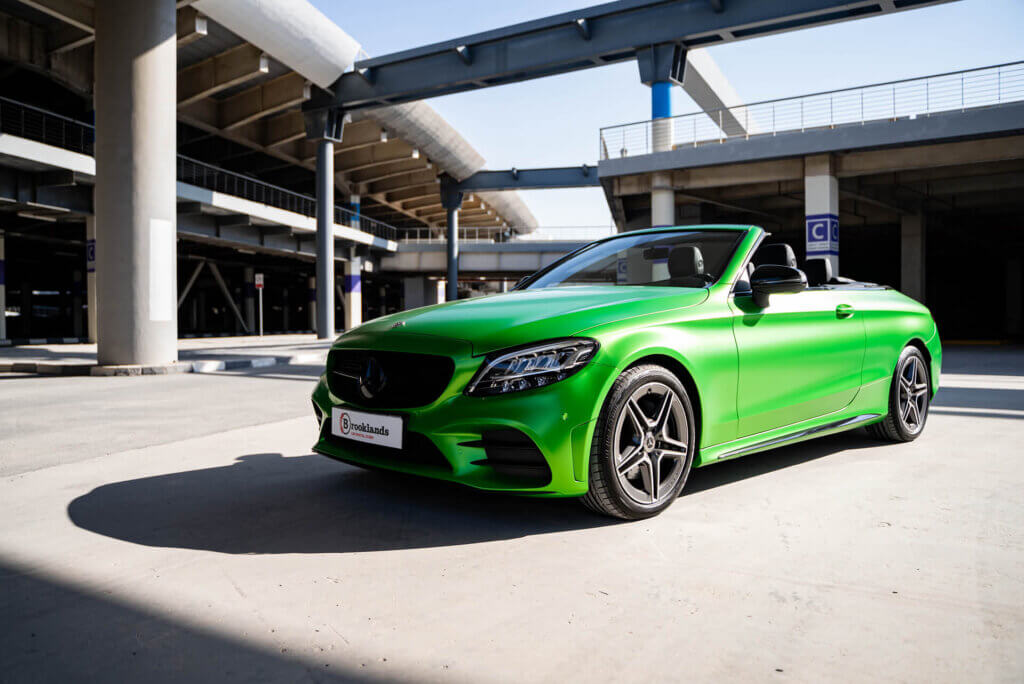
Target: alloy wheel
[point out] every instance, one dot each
(913, 394)
(651, 446)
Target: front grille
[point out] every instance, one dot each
(409, 380)
(417, 450)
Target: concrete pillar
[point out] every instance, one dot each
(421, 291)
(3, 289)
(135, 197)
(325, 239)
(311, 304)
(1015, 297)
(821, 209)
(663, 199)
(90, 276)
(912, 261)
(441, 290)
(353, 289)
(249, 294)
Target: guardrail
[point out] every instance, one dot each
(195, 172)
(26, 121)
(894, 100)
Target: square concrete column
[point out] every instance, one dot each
(912, 256)
(90, 276)
(135, 197)
(353, 290)
(821, 209)
(3, 290)
(421, 291)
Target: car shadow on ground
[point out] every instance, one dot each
(51, 631)
(268, 504)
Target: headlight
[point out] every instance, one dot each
(530, 367)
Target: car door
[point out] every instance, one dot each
(799, 358)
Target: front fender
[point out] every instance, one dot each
(704, 348)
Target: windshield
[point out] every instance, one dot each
(691, 258)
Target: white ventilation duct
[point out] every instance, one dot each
(292, 31)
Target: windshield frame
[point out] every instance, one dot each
(740, 231)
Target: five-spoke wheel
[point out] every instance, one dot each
(909, 397)
(650, 446)
(643, 445)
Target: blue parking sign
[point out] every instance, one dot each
(822, 235)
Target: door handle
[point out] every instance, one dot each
(844, 311)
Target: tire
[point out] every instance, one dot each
(646, 430)
(909, 399)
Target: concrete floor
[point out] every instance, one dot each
(225, 551)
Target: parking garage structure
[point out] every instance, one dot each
(921, 177)
(207, 176)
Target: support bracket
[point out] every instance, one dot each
(663, 62)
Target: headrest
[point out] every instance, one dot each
(685, 260)
(779, 253)
(819, 272)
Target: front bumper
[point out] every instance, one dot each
(558, 419)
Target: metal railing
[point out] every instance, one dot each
(37, 124)
(26, 121)
(494, 234)
(466, 234)
(892, 101)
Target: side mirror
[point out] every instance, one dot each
(769, 279)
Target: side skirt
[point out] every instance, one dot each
(727, 451)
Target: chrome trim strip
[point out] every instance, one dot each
(848, 422)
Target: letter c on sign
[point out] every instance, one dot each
(816, 230)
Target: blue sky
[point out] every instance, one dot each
(555, 121)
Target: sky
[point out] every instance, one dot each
(556, 121)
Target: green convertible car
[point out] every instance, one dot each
(616, 369)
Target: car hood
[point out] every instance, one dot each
(523, 316)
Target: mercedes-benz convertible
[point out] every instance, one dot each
(612, 372)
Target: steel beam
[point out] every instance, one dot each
(580, 39)
(325, 240)
(532, 179)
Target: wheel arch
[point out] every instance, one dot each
(919, 344)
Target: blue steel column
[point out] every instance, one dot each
(663, 201)
(661, 66)
(325, 239)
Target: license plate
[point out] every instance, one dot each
(370, 428)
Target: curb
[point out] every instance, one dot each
(26, 341)
(211, 366)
